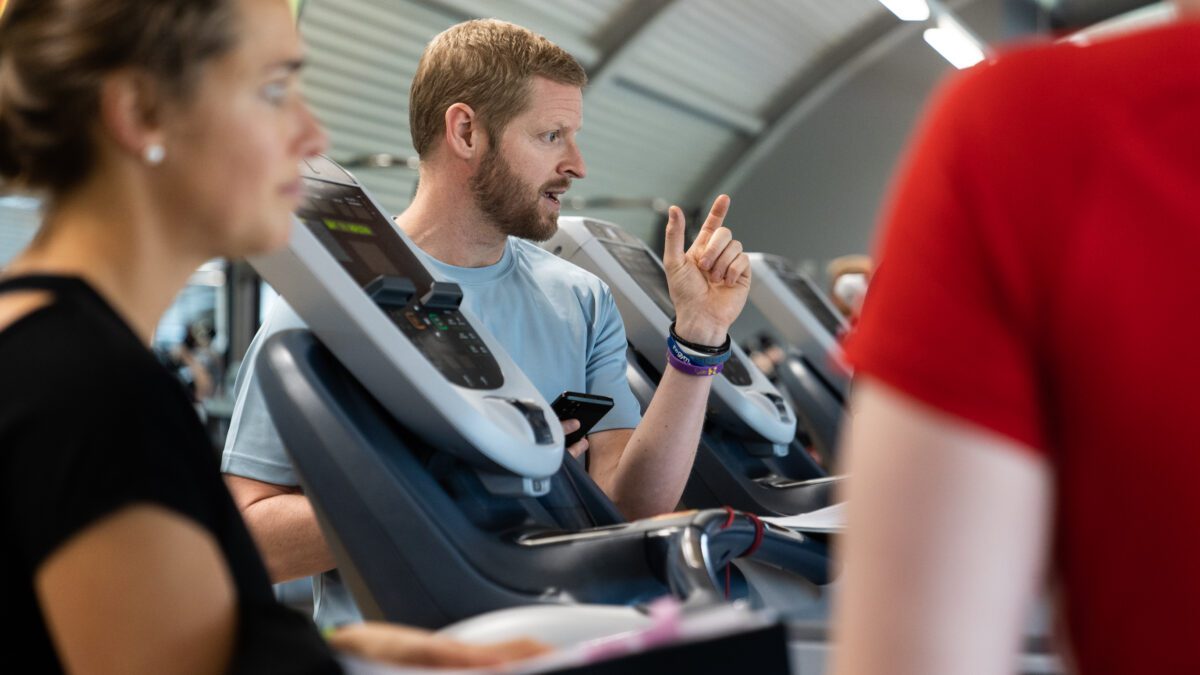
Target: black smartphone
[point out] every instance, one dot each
(587, 408)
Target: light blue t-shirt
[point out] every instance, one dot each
(558, 322)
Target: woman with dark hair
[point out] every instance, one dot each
(160, 134)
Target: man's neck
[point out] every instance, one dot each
(447, 225)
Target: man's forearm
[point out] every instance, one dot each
(708, 284)
(655, 465)
(288, 537)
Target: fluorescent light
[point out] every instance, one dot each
(954, 43)
(908, 10)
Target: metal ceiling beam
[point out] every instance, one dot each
(630, 26)
(464, 10)
(694, 103)
(617, 40)
(604, 56)
(622, 31)
(822, 79)
(813, 85)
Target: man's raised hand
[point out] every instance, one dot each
(710, 280)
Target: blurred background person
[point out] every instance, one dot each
(849, 276)
(765, 353)
(197, 355)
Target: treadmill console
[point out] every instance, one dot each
(808, 294)
(364, 291)
(735, 371)
(802, 316)
(368, 247)
(743, 401)
(632, 256)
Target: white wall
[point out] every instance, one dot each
(817, 194)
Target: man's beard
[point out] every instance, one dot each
(504, 199)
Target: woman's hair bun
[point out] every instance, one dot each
(55, 55)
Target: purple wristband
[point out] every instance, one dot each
(692, 369)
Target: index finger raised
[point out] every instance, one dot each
(716, 218)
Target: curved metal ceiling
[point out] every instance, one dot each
(680, 89)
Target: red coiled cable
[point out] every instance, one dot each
(759, 529)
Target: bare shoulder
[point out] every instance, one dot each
(105, 590)
(17, 305)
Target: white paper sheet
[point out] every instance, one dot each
(829, 519)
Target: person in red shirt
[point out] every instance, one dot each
(1027, 370)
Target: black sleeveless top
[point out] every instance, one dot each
(91, 422)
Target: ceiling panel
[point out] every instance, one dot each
(362, 55)
(741, 54)
(585, 18)
(691, 83)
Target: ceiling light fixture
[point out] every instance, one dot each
(954, 43)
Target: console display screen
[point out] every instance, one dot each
(650, 276)
(352, 228)
(362, 239)
(610, 232)
(735, 371)
(646, 271)
(810, 297)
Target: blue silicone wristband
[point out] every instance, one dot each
(692, 369)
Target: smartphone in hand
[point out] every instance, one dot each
(587, 408)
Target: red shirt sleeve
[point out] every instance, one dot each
(950, 315)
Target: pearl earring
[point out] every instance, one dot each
(154, 154)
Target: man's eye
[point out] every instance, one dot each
(553, 136)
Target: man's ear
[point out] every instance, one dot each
(130, 111)
(464, 137)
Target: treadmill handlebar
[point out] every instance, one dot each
(715, 537)
(695, 546)
(389, 291)
(442, 295)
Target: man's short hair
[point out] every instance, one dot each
(488, 65)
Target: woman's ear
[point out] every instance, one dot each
(130, 111)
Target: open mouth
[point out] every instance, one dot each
(553, 197)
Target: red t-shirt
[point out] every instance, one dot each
(1039, 277)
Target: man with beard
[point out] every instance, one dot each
(494, 113)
